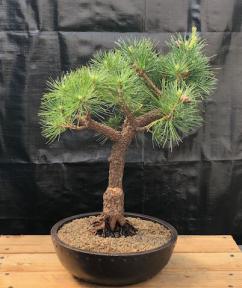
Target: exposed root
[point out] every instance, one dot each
(113, 226)
(111, 222)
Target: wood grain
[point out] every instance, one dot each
(166, 279)
(43, 244)
(198, 262)
(35, 262)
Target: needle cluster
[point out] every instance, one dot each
(132, 82)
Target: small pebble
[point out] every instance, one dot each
(150, 235)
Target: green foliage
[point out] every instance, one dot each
(71, 95)
(115, 121)
(179, 118)
(119, 85)
(110, 84)
(186, 62)
(143, 54)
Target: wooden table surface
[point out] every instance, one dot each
(198, 261)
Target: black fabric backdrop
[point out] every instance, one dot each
(197, 187)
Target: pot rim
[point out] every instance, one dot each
(59, 224)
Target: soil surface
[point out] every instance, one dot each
(79, 234)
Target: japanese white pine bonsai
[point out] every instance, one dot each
(128, 90)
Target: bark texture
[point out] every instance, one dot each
(113, 222)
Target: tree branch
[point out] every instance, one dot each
(147, 118)
(107, 131)
(75, 127)
(147, 80)
(88, 123)
(144, 120)
(129, 115)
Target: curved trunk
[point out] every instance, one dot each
(113, 198)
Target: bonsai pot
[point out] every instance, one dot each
(113, 269)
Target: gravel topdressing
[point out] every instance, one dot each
(78, 234)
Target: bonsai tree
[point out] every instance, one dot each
(128, 90)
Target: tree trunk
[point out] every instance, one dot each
(113, 220)
(113, 198)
